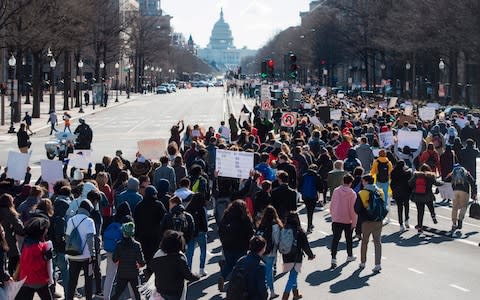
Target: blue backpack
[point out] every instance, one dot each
(309, 187)
(376, 210)
(111, 236)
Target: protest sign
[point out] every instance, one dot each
(461, 122)
(315, 121)
(427, 113)
(322, 92)
(289, 119)
(386, 139)
(80, 159)
(324, 113)
(412, 139)
(371, 112)
(408, 110)
(376, 151)
(393, 102)
(17, 165)
(433, 105)
(340, 95)
(152, 149)
(408, 119)
(234, 164)
(52, 170)
(336, 114)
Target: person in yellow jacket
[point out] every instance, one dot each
(381, 170)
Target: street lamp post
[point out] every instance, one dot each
(173, 74)
(128, 81)
(53, 64)
(102, 70)
(117, 66)
(12, 63)
(407, 69)
(80, 66)
(383, 80)
(441, 86)
(169, 74)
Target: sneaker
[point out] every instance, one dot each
(202, 273)
(386, 221)
(434, 219)
(406, 224)
(454, 227)
(377, 268)
(309, 230)
(273, 295)
(57, 295)
(361, 266)
(420, 229)
(351, 258)
(459, 224)
(402, 228)
(334, 264)
(99, 295)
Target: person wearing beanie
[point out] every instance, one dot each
(130, 195)
(85, 225)
(129, 257)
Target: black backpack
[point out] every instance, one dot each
(180, 222)
(382, 174)
(58, 227)
(266, 233)
(238, 284)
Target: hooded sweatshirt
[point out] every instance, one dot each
(341, 208)
(75, 204)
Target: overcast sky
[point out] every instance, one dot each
(253, 22)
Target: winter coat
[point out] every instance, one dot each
(401, 190)
(243, 230)
(431, 180)
(342, 150)
(284, 199)
(167, 222)
(12, 226)
(468, 160)
(365, 155)
(199, 218)
(351, 162)
(256, 270)
(291, 171)
(165, 172)
(128, 254)
(447, 160)
(130, 196)
(260, 201)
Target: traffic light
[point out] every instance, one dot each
(293, 66)
(271, 68)
(263, 72)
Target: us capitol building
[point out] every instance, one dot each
(220, 53)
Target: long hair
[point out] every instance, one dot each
(3, 240)
(6, 201)
(238, 209)
(293, 220)
(270, 217)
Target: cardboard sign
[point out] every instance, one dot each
(51, 170)
(386, 139)
(80, 159)
(234, 164)
(152, 149)
(17, 164)
(408, 119)
(412, 139)
(336, 114)
(289, 119)
(427, 113)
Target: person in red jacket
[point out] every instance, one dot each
(431, 158)
(342, 150)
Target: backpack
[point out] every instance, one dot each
(266, 233)
(358, 187)
(288, 241)
(58, 229)
(350, 165)
(179, 222)
(111, 236)
(431, 162)
(309, 187)
(458, 176)
(376, 209)
(73, 245)
(420, 185)
(382, 173)
(238, 284)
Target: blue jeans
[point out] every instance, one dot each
(231, 258)
(384, 187)
(269, 261)
(201, 240)
(292, 281)
(60, 261)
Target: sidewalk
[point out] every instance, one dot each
(41, 123)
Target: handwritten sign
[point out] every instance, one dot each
(393, 102)
(408, 110)
(152, 149)
(234, 164)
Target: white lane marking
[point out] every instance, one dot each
(459, 288)
(415, 271)
(323, 232)
(138, 125)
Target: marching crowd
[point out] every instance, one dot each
(145, 218)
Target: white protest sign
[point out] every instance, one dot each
(341, 95)
(234, 164)
(412, 139)
(289, 119)
(393, 102)
(52, 170)
(427, 113)
(386, 139)
(315, 121)
(307, 106)
(336, 114)
(152, 149)
(80, 159)
(376, 151)
(408, 110)
(371, 112)
(461, 122)
(436, 106)
(323, 92)
(17, 165)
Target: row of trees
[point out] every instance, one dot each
(370, 34)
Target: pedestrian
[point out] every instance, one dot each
(23, 139)
(84, 135)
(13, 226)
(53, 120)
(262, 199)
(369, 227)
(468, 157)
(463, 184)
(292, 260)
(352, 161)
(178, 219)
(310, 185)
(382, 168)
(344, 218)
(170, 267)
(86, 97)
(269, 228)
(165, 172)
(105, 98)
(365, 154)
(197, 209)
(130, 195)
(401, 191)
(95, 198)
(284, 198)
(4, 275)
(421, 185)
(28, 122)
(128, 256)
(335, 176)
(66, 121)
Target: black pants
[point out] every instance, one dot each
(421, 211)
(402, 205)
(75, 267)
(358, 228)
(310, 206)
(337, 229)
(27, 293)
(12, 264)
(122, 284)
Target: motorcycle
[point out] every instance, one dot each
(62, 145)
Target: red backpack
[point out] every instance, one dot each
(420, 185)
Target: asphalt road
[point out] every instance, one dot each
(430, 266)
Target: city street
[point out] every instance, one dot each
(431, 266)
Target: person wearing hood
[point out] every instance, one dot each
(178, 219)
(86, 228)
(352, 161)
(131, 195)
(365, 154)
(148, 217)
(452, 133)
(75, 204)
(310, 185)
(468, 157)
(401, 192)
(437, 139)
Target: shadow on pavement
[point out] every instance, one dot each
(353, 282)
(198, 288)
(318, 277)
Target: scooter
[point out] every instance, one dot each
(62, 145)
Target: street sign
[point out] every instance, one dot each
(265, 93)
(266, 104)
(289, 119)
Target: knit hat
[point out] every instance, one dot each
(128, 229)
(133, 183)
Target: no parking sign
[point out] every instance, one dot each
(289, 119)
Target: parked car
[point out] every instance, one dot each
(162, 90)
(173, 88)
(456, 109)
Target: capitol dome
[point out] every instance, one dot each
(221, 37)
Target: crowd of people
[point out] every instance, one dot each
(144, 219)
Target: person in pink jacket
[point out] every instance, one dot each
(344, 218)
